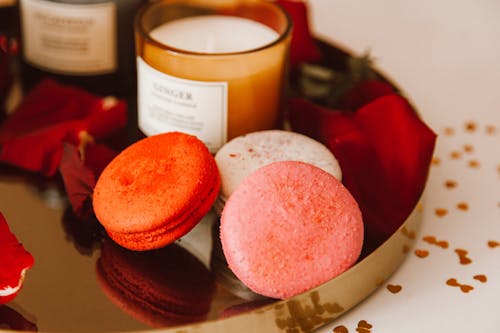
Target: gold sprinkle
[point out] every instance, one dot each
(436, 161)
(421, 253)
(449, 131)
(463, 206)
(463, 287)
(406, 248)
(450, 184)
(492, 244)
(481, 278)
(466, 288)
(433, 241)
(470, 126)
(491, 129)
(440, 212)
(455, 155)
(394, 288)
(468, 148)
(340, 329)
(462, 255)
(474, 164)
(363, 327)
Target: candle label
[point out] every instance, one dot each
(76, 39)
(168, 103)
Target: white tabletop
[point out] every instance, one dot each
(446, 57)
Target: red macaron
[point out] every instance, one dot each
(156, 190)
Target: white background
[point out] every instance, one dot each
(446, 57)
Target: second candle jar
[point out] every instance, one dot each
(213, 69)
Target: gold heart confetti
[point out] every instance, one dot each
(340, 329)
(421, 253)
(481, 278)
(394, 288)
(441, 212)
(462, 256)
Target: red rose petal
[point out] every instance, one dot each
(32, 137)
(303, 47)
(14, 261)
(384, 150)
(79, 176)
(364, 93)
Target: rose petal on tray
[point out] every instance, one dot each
(303, 47)
(384, 150)
(32, 137)
(14, 262)
(363, 93)
(79, 173)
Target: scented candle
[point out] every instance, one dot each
(211, 69)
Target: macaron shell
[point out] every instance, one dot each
(289, 227)
(156, 190)
(241, 156)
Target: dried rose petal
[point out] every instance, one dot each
(6, 79)
(14, 262)
(303, 47)
(79, 173)
(32, 137)
(363, 93)
(384, 150)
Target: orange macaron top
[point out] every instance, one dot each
(157, 183)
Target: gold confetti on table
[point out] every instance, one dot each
(470, 126)
(480, 277)
(465, 288)
(421, 253)
(394, 288)
(440, 212)
(364, 327)
(450, 184)
(462, 256)
(463, 206)
(474, 164)
(468, 148)
(433, 241)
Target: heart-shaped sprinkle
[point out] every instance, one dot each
(441, 212)
(394, 288)
(481, 278)
(421, 253)
(340, 329)
(493, 244)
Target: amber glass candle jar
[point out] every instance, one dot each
(214, 69)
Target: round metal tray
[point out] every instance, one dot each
(62, 292)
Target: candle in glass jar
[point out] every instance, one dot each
(213, 76)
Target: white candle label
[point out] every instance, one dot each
(167, 103)
(77, 39)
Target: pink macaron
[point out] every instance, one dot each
(243, 155)
(289, 227)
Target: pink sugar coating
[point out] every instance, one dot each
(290, 227)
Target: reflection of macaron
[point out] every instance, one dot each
(241, 156)
(156, 190)
(162, 287)
(289, 227)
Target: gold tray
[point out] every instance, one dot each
(62, 292)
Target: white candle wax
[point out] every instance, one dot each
(214, 34)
